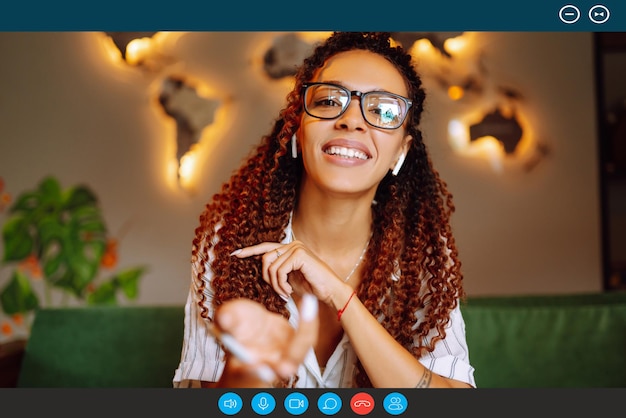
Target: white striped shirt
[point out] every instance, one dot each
(202, 359)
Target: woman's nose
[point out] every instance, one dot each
(352, 118)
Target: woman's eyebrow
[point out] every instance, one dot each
(340, 83)
(332, 82)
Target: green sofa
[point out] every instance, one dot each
(576, 341)
(515, 342)
(115, 347)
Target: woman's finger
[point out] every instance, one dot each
(304, 337)
(278, 274)
(257, 249)
(271, 254)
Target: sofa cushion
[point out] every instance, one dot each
(576, 340)
(103, 347)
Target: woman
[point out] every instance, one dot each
(340, 201)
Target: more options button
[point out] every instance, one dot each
(599, 14)
(569, 14)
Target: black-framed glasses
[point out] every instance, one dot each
(379, 108)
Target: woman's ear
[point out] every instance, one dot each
(403, 153)
(406, 144)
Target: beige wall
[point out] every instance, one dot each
(67, 110)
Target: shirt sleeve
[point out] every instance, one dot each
(451, 355)
(202, 358)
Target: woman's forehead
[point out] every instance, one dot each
(362, 70)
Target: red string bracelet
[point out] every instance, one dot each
(341, 311)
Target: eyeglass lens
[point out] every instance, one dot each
(380, 109)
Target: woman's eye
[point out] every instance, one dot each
(327, 101)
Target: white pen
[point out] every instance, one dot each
(241, 353)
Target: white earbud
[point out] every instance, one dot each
(294, 146)
(398, 166)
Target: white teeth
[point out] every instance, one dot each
(346, 153)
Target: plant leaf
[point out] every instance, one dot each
(65, 230)
(79, 196)
(25, 202)
(18, 295)
(104, 295)
(72, 246)
(18, 242)
(50, 190)
(129, 281)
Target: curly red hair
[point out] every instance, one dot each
(411, 218)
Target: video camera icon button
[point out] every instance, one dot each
(569, 14)
(599, 14)
(296, 403)
(229, 403)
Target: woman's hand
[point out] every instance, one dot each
(262, 344)
(292, 267)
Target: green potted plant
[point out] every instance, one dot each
(60, 237)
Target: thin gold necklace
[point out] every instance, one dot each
(358, 262)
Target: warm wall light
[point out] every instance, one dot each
(486, 147)
(192, 112)
(188, 104)
(456, 92)
(489, 121)
(440, 41)
(187, 168)
(121, 41)
(494, 136)
(506, 130)
(139, 49)
(455, 44)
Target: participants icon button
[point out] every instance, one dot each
(263, 403)
(395, 403)
(362, 403)
(599, 14)
(329, 403)
(569, 14)
(229, 403)
(296, 403)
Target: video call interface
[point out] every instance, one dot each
(399, 401)
(566, 20)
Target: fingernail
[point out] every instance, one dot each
(265, 373)
(287, 370)
(236, 252)
(309, 307)
(283, 297)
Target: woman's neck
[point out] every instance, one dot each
(331, 225)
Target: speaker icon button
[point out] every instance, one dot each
(229, 403)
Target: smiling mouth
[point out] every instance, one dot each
(346, 153)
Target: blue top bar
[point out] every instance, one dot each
(388, 15)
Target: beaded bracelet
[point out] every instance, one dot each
(340, 311)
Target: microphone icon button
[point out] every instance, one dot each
(263, 403)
